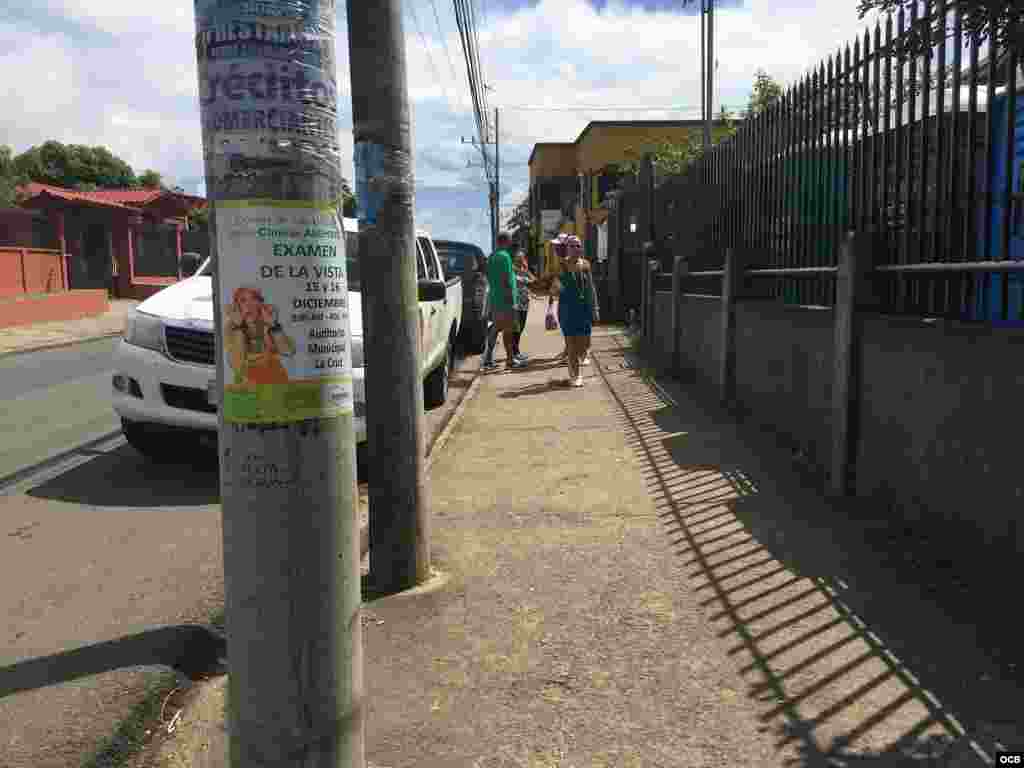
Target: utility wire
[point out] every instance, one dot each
(430, 56)
(464, 19)
(470, 76)
(444, 42)
(480, 68)
(448, 54)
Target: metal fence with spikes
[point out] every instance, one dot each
(924, 153)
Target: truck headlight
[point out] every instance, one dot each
(357, 352)
(142, 330)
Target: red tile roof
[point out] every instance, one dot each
(128, 196)
(34, 189)
(114, 198)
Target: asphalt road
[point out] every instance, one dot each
(104, 561)
(52, 400)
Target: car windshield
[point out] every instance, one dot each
(457, 258)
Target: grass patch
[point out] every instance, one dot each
(216, 619)
(135, 732)
(641, 353)
(131, 735)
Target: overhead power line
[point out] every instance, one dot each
(430, 56)
(444, 42)
(465, 18)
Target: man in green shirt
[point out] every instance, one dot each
(502, 279)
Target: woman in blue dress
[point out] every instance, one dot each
(577, 307)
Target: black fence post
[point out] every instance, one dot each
(614, 269)
(732, 283)
(680, 267)
(649, 267)
(853, 292)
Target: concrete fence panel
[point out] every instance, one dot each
(662, 327)
(940, 424)
(784, 374)
(700, 323)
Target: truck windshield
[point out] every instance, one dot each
(457, 258)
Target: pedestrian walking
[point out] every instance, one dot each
(553, 269)
(503, 292)
(577, 308)
(524, 279)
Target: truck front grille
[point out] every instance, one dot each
(188, 398)
(190, 345)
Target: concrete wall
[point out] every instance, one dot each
(784, 370)
(938, 421)
(53, 307)
(663, 326)
(552, 160)
(604, 144)
(941, 423)
(700, 346)
(27, 270)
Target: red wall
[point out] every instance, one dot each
(16, 227)
(70, 305)
(25, 270)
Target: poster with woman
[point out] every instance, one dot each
(285, 320)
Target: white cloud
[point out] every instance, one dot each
(121, 75)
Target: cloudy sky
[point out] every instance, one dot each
(119, 74)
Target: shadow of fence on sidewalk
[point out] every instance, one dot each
(826, 682)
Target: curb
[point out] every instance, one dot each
(11, 481)
(435, 448)
(59, 344)
(453, 421)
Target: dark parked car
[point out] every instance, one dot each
(468, 261)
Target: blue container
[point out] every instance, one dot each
(988, 305)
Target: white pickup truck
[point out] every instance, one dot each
(165, 370)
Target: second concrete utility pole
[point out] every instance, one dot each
(399, 515)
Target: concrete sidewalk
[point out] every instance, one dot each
(28, 338)
(632, 582)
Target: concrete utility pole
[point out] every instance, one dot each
(399, 515)
(710, 97)
(491, 186)
(283, 384)
(497, 181)
(703, 76)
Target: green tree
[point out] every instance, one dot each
(1001, 21)
(200, 219)
(519, 225)
(150, 179)
(766, 92)
(669, 157)
(10, 177)
(346, 202)
(74, 166)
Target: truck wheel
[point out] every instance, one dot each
(154, 446)
(435, 387)
(361, 462)
(479, 336)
